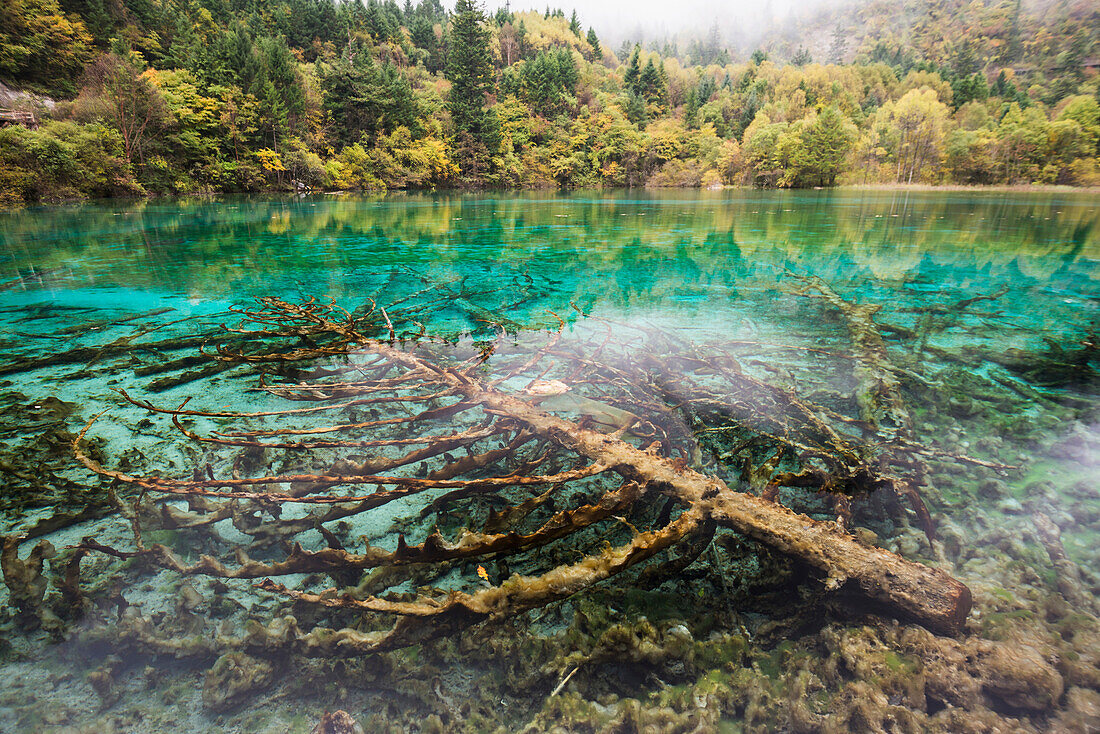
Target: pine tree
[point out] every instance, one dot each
(470, 69)
(691, 109)
(575, 25)
(706, 89)
(838, 46)
(594, 42)
(635, 109)
(377, 22)
(1002, 87)
(653, 84)
(633, 74)
(364, 98)
(1015, 45)
(521, 39)
(827, 143)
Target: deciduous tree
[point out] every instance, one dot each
(127, 98)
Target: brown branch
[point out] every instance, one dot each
(901, 587)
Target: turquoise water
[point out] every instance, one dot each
(989, 311)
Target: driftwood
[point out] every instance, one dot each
(528, 434)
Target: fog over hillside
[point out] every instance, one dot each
(740, 25)
(738, 21)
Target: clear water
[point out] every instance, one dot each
(714, 268)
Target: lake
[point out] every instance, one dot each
(732, 334)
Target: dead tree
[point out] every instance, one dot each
(522, 429)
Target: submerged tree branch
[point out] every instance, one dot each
(908, 590)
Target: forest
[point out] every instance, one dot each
(170, 97)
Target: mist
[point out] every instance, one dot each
(739, 22)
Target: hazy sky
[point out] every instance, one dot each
(618, 19)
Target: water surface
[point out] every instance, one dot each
(989, 308)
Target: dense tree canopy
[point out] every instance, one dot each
(173, 96)
(41, 45)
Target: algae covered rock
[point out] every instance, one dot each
(232, 678)
(861, 707)
(337, 722)
(1082, 713)
(1018, 676)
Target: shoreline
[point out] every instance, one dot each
(895, 187)
(1015, 188)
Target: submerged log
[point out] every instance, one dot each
(901, 588)
(909, 590)
(24, 579)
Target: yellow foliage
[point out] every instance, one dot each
(546, 33)
(667, 138)
(729, 161)
(40, 43)
(924, 80)
(1085, 172)
(270, 160)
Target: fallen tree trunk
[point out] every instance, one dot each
(898, 587)
(910, 590)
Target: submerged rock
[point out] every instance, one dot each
(337, 722)
(1018, 676)
(1082, 713)
(233, 677)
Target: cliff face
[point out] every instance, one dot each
(13, 98)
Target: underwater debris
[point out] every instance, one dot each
(1059, 367)
(37, 467)
(882, 406)
(529, 447)
(24, 579)
(1070, 583)
(337, 722)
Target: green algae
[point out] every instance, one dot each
(900, 663)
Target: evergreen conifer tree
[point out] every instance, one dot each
(635, 109)
(470, 69)
(521, 39)
(838, 46)
(632, 77)
(594, 42)
(653, 83)
(691, 109)
(826, 144)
